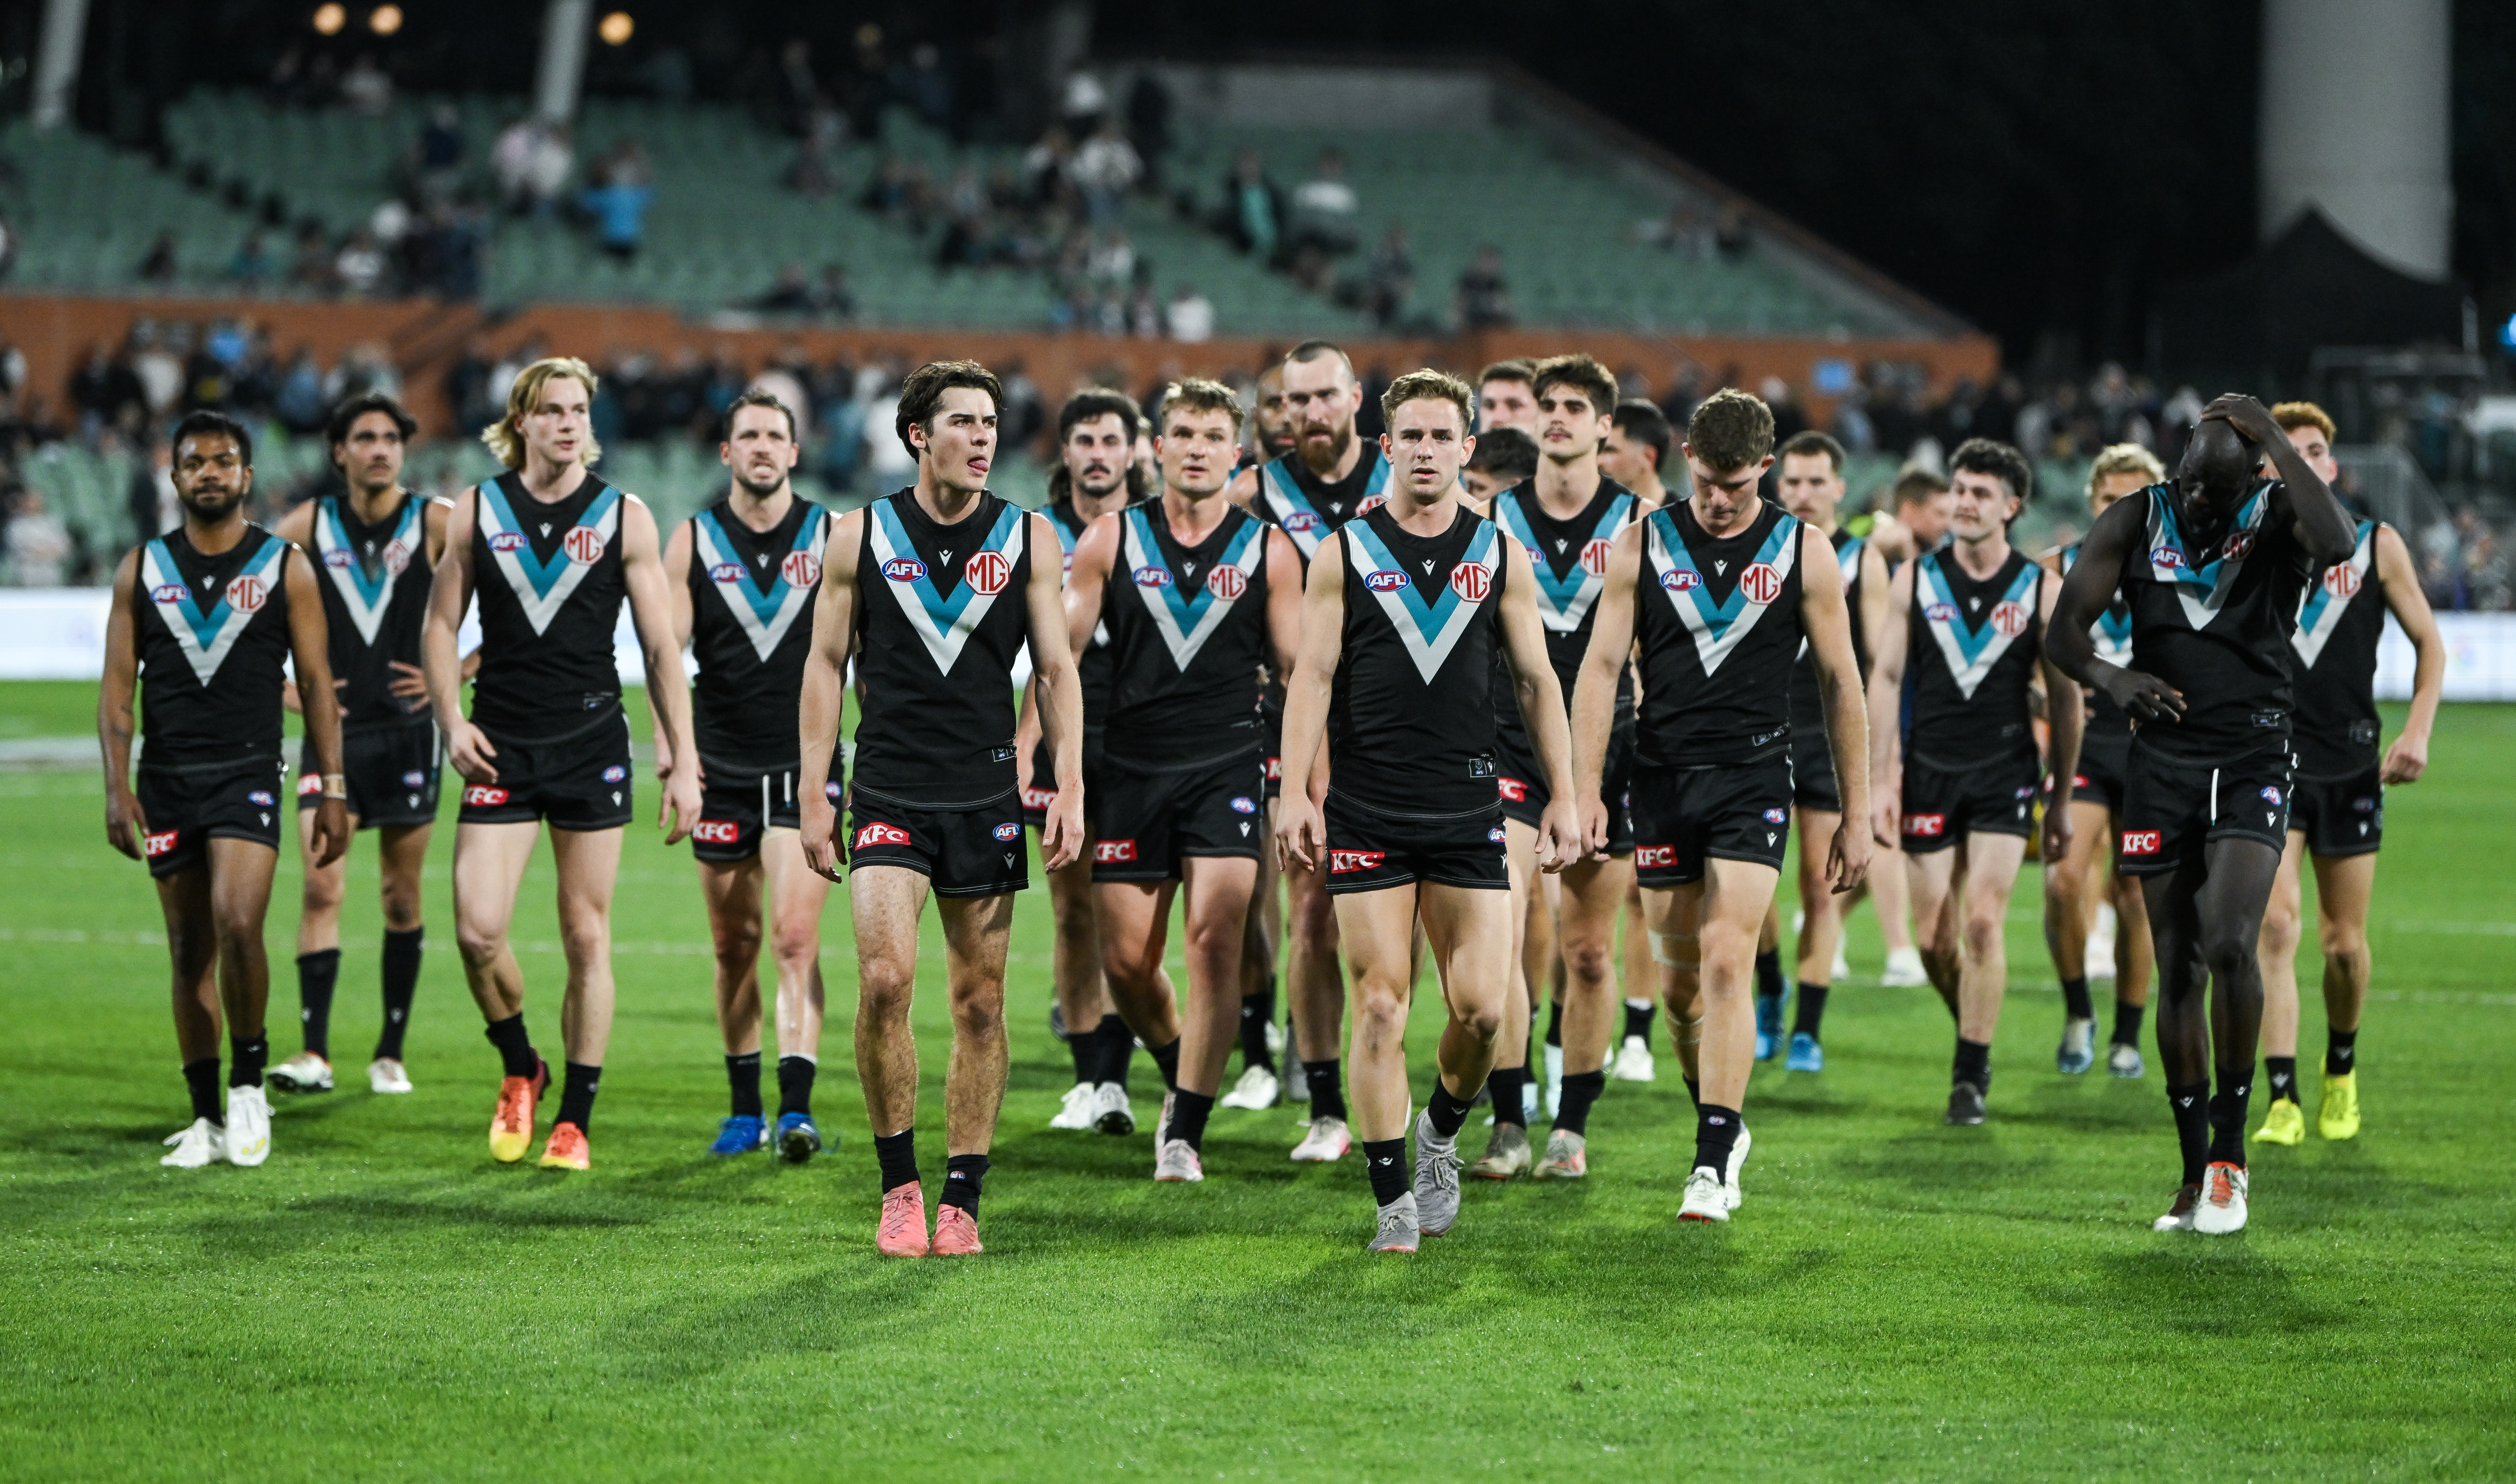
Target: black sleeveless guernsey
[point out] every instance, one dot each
(1309, 508)
(1807, 694)
(751, 625)
(1971, 649)
(1570, 561)
(210, 634)
(943, 615)
(1187, 630)
(2214, 621)
(374, 582)
(2109, 727)
(1719, 622)
(1411, 721)
(1092, 668)
(549, 584)
(2337, 629)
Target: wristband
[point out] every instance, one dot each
(336, 785)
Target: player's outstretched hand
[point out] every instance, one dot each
(2405, 760)
(1300, 838)
(2057, 824)
(1061, 831)
(820, 823)
(1847, 860)
(125, 826)
(1561, 835)
(332, 838)
(469, 749)
(681, 807)
(2145, 697)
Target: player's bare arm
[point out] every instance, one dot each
(676, 595)
(650, 612)
(1052, 660)
(1285, 597)
(1300, 835)
(2069, 725)
(1886, 713)
(824, 706)
(1827, 622)
(311, 643)
(1541, 706)
(2321, 524)
(2408, 757)
(2112, 538)
(125, 826)
(1593, 710)
(449, 594)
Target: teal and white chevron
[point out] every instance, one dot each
(1430, 631)
(944, 624)
(1186, 621)
(207, 633)
(542, 587)
(764, 616)
(1717, 627)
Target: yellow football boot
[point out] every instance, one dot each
(2283, 1123)
(2338, 1116)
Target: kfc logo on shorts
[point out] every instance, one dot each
(159, 842)
(1038, 798)
(248, 594)
(726, 571)
(1513, 790)
(261, 797)
(1931, 826)
(1112, 852)
(310, 784)
(615, 773)
(484, 795)
(1274, 769)
(2341, 581)
(1384, 580)
(1302, 520)
(716, 832)
(903, 570)
(880, 835)
(1777, 816)
(1009, 831)
(1761, 583)
(1681, 581)
(1941, 613)
(2140, 841)
(507, 541)
(2010, 618)
(584, 545)
(801, 569)
(2271, 795)
(1342, 861)
(1472, 581)
(1594, 557)
(2079, 780)
(1244, 805)
(1649, 857)
(988, 572)
(1227, 583)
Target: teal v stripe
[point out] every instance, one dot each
(1560, 592)
(943, 610)
(2248, 515)
(1429, 617)
(371, 590)
(1970, 639)
(1717, 617)
(721, 548)
(205, 623)
(544, 574)
(1185, 610)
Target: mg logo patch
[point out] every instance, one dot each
(1472, 581)
(1227, 583)
(988, 572)
(1594, 557)
(801, 569)
(248, 595)
(1761, 583)
(2009, 618)
(584, 545)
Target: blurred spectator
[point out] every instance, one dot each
(8, 245)
(618, 204)
(1325, 208)
(1084, 102)
(1682, 230)
(149, 499)
(311, 272)
(1390, 279)
(158, 266)
(1730, 235)
(1111, 259)
(832, 299)
(1144, 313)
(367, 88)
(102, 386)
(791, 294)
(39, 544)
(926, 87)
(1190, 316)
(437, 160)
(298, 401)
(1789, 417)
(251, 267)
(360, 268)
(157, 360)
(1483, 300)
(1046, 166)
(1105, 170)
(1253, 210)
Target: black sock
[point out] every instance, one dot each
(1188, 1113)
(401, 986)
(1086, 1048)
(576, 1095)
(1327, 1094)
(1257, 1013)
(1448, 1111)
(1117, 1050)
(1768, 976)
(742, 1074)
(1581, 1090)
(2282, 1073)
(202, 1079)
(963, 1174)
(1973, 1063)
(1505, 1084)
(1166, 1061)
(896, 1156)
(1716, 1134)
(2191, 1105)
(1638, 1019)
(2075, 1003)
(2228, 1116)
(2341, 1052)
(515, 1047)
(2128, 1023)
(317, 975)
(246, 1059)
(1555, 1023)
(795, 1085)
(1810, 1013)
(1385, 1161)
(1694, 1091)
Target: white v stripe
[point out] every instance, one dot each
(2317, 622)
(1711, 645)
(1429, 651)
(765, 636)
(1969, 673)
(330, 537)
(944, 643)
(1184, 644)
(541, 607)
(205, 658)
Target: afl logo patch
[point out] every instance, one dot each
(1384, 580)
(717, 832)
(507, 541)
(801, 569)
(339, 558)
(1244, 805)
(1227, 583)
(584, 545)
(2166, 557)
(1152, 577)
(1302, 520)
(413, 779)
(1472, 581)
(1497, 835)
(261, 797)
(2364, 805)
(987, 573)
(246, 594)
(615, 773)
(1761, 583)
(169, 592)
(726, 571)
(1009, 831)
(2009, 618)
(903, 570)
(2271, 795)
(1777, 816)
(1681, 581)
(1941, 613)
(1594, 557)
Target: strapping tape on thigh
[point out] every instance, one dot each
(1664, 946)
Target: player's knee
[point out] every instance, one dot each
(586, 936)
(2339, 939)
(738, 946)
(883, 987)
(1985, 923)
(1483, 1022)
(2280, 928)
(1588, 962)
(797, 945)
(401, 906)
(1212, 934)
(478, 944)
(978, 1016)
(2228, 951)
(322, 893)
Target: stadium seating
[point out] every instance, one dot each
(86, 214)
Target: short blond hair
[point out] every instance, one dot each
(1429, 386)
(2125, 459)
(1197, 394)
(2292, 416)
(521, 397)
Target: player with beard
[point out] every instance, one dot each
(2075, 929)
(2337, 812)
(552, 552)
(1261, 1086)
(1810, 480)
(1176, 800)
(1963, 799)
(378, 545)
(2213, 565)
(1719, 588)
(1403, 617)
(1332, 476)
(940, 586)
(1640, 443)
(205, 619)
(742, 574)
(1095, 475)
(1506, 397)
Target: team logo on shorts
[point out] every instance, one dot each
(507, 541)
(484, 795)
(2140, 841)
(2029, 792)
(1930, 825)
(584, 545)
(261, 797)
(2271, 795)
(1941, 613)
(1777, 816)
(2010, 618)
(1681, 581)
(879, 834)
(2166, 556)
(1152, 577)
(801, 569)
(169, 592)
(1497, 835)
(1302, 520)
(1471, 580)
(1227, 583)
(159, 842)
(1384, 580)
(1244, 805)
(716, 832)
(903, 570)
(1512, 788)
(1112, 852)
(2079, 780)
(1761, 583)
(1342, 861)
(415, 778)
(1009, 831)
(310, 784)
(248, 594)
(615, 773)
(1647, 857)
(726, 571)
(988, 572)
(1038, 798)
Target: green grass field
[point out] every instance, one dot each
(1896, 1298)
